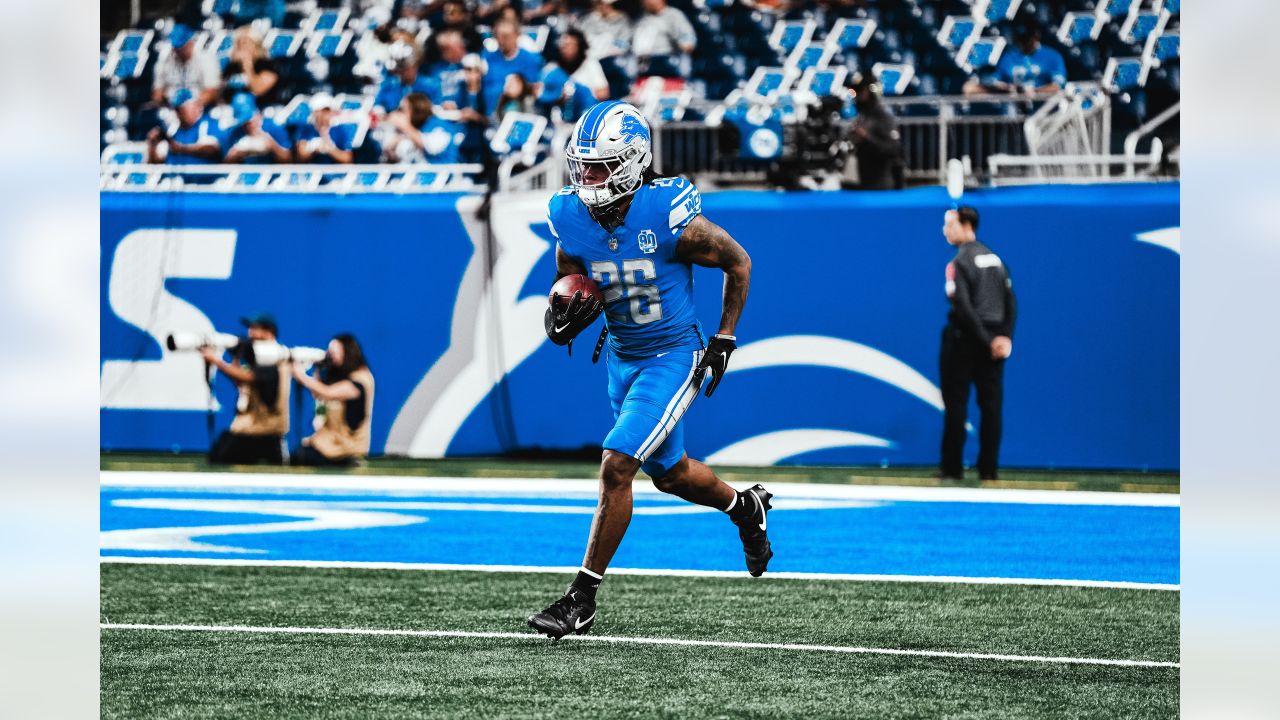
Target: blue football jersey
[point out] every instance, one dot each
(648, 292)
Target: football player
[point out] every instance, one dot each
(638, 236)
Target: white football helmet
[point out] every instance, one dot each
(608, 153)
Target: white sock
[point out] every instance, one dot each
(588, 572)
(732, 502)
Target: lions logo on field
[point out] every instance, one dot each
(648, 241)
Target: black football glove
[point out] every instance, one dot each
(715, 359)
(563, 325)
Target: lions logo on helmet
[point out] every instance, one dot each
(608, 153)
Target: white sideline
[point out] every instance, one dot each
(515, 487)
(645, 641)
(373, 565)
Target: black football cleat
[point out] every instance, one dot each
(573, 613)
(755, 541)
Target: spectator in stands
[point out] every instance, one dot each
(421, 135)
(875, 137)
(508, 59)
(319, 140)
(661, 36)
(607, 30)
(343, 390)
(262, 411)
(186, 66)
(1028, 68)
(404, 75)
(195, 142)
(517, 96)
(455, 16)
(573, 58)
(563, 98)
(250, 70)
(446, 78)
(252, 139)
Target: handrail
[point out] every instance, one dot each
(1132, 139)
(397, 178)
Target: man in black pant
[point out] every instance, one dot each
(975, 344)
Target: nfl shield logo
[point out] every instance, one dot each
(613, 243)
(648, 241)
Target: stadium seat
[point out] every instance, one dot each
(518, 132)
(789, 34)
(1125, 73)
(980, 52)
(769, 82)
(220, 7)
(847, 34)
(125, 153)
(329, 44)
(1118, 8)
(284, 43)
(330, 20)
(1077, 27)
(956, 31)
(822, 82)
(996, 10)
(1138, 26)
(1165, 46)
(812, 55)
(894, 77)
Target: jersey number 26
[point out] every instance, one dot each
(617, 285)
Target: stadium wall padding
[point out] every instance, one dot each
(838, 358)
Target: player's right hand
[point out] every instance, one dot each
(563, 326)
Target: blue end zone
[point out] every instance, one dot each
(1110, 543)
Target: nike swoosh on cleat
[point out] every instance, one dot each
(577, 624)
(764, 517)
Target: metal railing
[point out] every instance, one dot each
(1148, 129)
(418, 178)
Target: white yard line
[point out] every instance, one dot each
(517, 487)
(364, 565)
(530, 637)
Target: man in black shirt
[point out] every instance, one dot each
(975, 344)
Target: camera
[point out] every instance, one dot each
(261, 352)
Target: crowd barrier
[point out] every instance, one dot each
(838, 358)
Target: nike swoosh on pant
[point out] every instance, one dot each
(577, 624)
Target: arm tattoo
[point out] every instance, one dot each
(707, 244)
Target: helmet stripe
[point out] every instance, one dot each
(594, 120)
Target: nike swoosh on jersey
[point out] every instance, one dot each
(577, 624)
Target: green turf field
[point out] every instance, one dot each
(151, 673)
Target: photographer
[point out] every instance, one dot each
(876, 141)
(343, 389)
(262, 410)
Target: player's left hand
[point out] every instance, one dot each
(715, 359)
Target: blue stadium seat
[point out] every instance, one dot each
(333, 19)
(221, 7)
(812, 55)
(1171, 6)
(284, 43)
(1125, 73)
(1078, 27)
(847, 34)
(1166, 46)
(980, 53)
(329, 44)
(1140, 25)
(1119, 8)
(822, 82)
(956, 30)
(768, 82)
(789, 34)
(894, 78)
(518, 131)
(997, 10)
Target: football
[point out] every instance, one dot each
(562, 292)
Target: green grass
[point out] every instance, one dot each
(1111, 481)
(191, 674)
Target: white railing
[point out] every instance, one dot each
(417, 178)
(521, 172)
(1148, 128)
